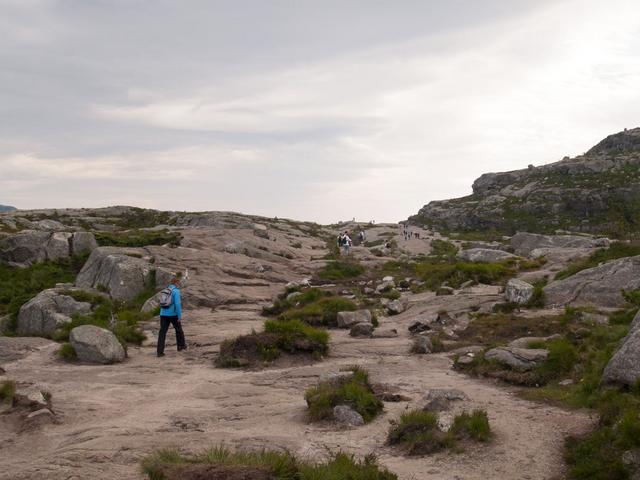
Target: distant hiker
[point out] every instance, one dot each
(347, 243)
(171, 314)
(417, 235)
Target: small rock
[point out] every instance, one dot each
(465, 360)
(385, 333)
(347, 416)
(594, 318)
(518, 292)
(293, 295)
(439, 399)
(442, 291)
(361, 330)
(396, 306)
(388, 278)
(348, 319)
(422, 344)
(566, 383)
(96, 345)
(520, 359)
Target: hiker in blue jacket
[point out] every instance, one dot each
(172, 315)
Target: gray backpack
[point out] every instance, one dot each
(165, 298)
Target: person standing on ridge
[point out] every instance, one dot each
(171, 314)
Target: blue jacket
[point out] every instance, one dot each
(175, 310)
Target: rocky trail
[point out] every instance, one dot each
(108, 417)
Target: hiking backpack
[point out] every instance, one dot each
(165, 298)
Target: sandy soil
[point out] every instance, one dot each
(111, 416)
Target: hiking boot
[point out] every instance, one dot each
(161, 355)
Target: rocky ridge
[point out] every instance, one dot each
(598, 192)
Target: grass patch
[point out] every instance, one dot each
(121, 318)
(417, 431)
(292, 337)
(7, 391)
(170, 464)
(282, 303)
(19, 285)
(354, 391)
(67, 352)
(615, 251)
(323, 311)
(442, 248)
(341, 269)
(137, 238)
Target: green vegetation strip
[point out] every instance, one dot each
(418, 433)
(170, 464)
(313, 306)
(353, 390)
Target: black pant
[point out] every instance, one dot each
(164, 327)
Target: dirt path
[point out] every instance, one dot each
(111, 416)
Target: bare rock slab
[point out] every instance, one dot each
(600, 286)
(624, 366)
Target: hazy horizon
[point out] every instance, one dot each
(312, 111)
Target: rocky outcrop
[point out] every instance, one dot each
(422, 344)
(96, 345)
(121, 272)
(398, 306)
(519, 359)
(583, 194)
(624, 366)
(485, 255)
(519, 292)
(599, 286)
(48, 311)
(439, 399)
(535, 245)
(29, 247)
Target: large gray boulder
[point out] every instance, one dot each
(524, 243)
(28, 247)
(517, 291)
(48, 311)
(348, 319)
(520, 359)
(122, 272)
(600, 286)
(624, 366)
(485, 255)
(96, 345)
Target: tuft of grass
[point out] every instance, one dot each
(280, 465)
(474, 425)
(7, 391)
(615, 251)
(67, 352)
(279, 336)
(310, 295)
(538, 299)
(354, 391)
(418, 432)
(321, 312)
(341, 269)
(435, 274)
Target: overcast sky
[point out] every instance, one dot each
(315, 110)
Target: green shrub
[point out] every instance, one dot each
(19, 285)
(340, 270)
(306, 297)
(281, 465)
(279, 336)
(7, 391)
(563, 356)
(615, 251)
(434, 274)
(538, 298)
(67, 352)
(354, 391)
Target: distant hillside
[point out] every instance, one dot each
(598, 192)
(7, 208)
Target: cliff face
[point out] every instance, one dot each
(598, 192)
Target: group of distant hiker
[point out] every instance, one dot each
(408, 233)
(345, 242)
